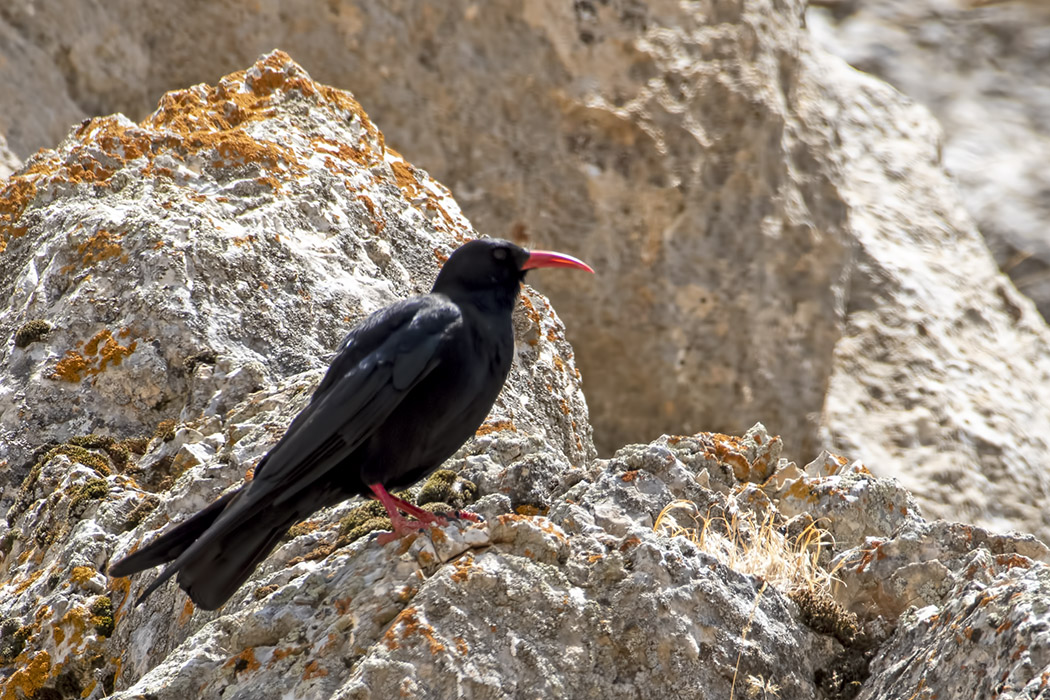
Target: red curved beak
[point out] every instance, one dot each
(547, 258)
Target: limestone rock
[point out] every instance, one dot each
(621, 577)
(980, 67)
(776, 236)
(228, 240)
(173, 289)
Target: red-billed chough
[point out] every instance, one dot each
(407, 387)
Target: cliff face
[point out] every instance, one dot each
(173, 290)
(779, 239)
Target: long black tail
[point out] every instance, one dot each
(214, 573)
(172, 543)
(212, 555)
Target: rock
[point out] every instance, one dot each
(988, 636)
(980, 67)
(217, 229)
(775, 234)
(696, 564)
(323, 615)
(191, 298)
(9, 162)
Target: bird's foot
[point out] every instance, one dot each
(465, 515)
(423, 518)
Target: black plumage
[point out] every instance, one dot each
(408, 386)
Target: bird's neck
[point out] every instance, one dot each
(489, 301)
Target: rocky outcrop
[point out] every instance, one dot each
(778, 237)
(174, 287)
(176, 266)
(980, 67)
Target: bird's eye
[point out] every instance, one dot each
(500, 253)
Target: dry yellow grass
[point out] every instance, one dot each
(750, 545)
(756, 545)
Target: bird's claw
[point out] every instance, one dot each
(459, 515)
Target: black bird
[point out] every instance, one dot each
(407, 387)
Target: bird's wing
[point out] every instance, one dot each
(387, 355)
(381, 360)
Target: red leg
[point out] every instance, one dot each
(401, 526)
(428, 517)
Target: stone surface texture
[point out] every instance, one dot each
(980, 67)
(777, 233)
(777, 237)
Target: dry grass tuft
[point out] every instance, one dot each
(762, 545)
(762, 548)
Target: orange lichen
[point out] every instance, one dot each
(99, 352)
(629, 543)
(494, 426)
(463, 566)
(28, 678)
(405, 177)
(342, 605)
(71, 367)
(279, 654)
(801, 490)
(1012, 560)
(103, 245)
(82, 574)
(408, 623)
(75, 622)
(14, 198)
(629, 476)
(28, 581)
(338, 151)
(187, 611)
(245, 661)
(314, 670)
(529, 511)
(373, 213)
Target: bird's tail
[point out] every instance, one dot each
(174, 542)
(215, 572)
(219, 563)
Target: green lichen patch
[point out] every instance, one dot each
(206, 356)
(140, 511)
(438, 508)
(7, 542)
(101, 453)
(13, 636)
(302, 528)
(263, 591)
(823, 614)
(31, 331)
(101, 609)
(80, 455)
(360, 521)
(445, 486)
(843, 676)
(90, 490)
(165, 430)
(118, 451)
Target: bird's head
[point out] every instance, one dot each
(489, 270)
